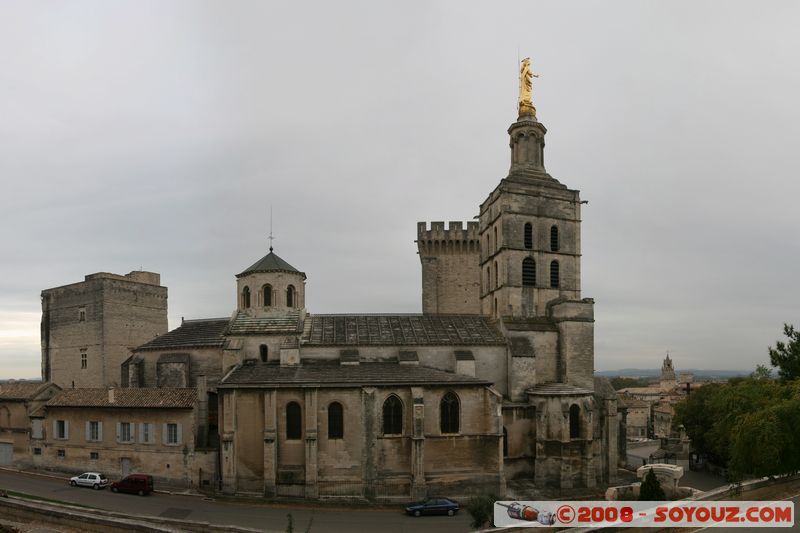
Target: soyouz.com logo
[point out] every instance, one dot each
(644, 514)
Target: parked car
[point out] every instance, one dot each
(95, 480)
(433, 506)
(141, 484)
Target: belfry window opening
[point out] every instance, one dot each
(554, 275)
(528, 272)
(528, 235)
(554, 242)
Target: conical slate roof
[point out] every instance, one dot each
(270, 263)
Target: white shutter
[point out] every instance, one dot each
(180, 434)
(37, 428)
(88, 431)
(119, 431)
(55, 430)
(66, 429)
(132, 425)
(141, 433)
(99, 431)
(163, 433)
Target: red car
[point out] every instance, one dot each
(141, 484)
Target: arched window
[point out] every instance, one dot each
(505, 442)
(496, 243)
(294, 421)
(267, 290)
(246, 297)
(554, 274)
(496, 275)
(448, 413)
(290, 296)
(263, 351)
(495, 308)
(528, 272)
(335, 421)
(488, 278)
(392, 416)
(574, 422)
(528, 235)
(554, 244)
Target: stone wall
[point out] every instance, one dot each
(202, 362)
(262, 458)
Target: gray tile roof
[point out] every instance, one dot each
(244, 324)
(270, 263)
(148, 398)
(398, 330)
(257, 374)
(20, 390)
(191, 334)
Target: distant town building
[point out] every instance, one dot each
(668, 381)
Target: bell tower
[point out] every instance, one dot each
(529, 227)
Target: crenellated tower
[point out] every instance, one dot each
(450, 271)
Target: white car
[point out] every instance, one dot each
(90, 479)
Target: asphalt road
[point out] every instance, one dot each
(266, 517)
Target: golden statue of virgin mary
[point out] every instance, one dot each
(526, 76)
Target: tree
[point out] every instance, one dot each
(620, 382)
(761, 372)
(481, 509)
(651, 490)
(787, 356)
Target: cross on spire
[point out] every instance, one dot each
(271, 238)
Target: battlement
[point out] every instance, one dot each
(455, 238)
(454, 232)
(138, 276)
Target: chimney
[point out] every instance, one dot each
(110, 395)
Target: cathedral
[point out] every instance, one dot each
(493, 381)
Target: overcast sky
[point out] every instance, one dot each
(157, 134)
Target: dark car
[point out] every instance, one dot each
(140, 484)
(433, 506)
